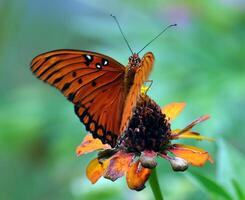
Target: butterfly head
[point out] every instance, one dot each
(134, 61)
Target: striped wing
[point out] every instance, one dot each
(93, 82)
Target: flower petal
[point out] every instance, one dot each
(95, 169)
(192, 155)
(90, 144)
(118, 165)
(189, 134)
(172, 110)
(137, 176)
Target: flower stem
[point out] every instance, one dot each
(155, 185)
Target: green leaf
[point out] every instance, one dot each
(238, 190)
(211, 185)
(229, 161)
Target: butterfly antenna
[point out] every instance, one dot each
(169, 26)
(114, 17)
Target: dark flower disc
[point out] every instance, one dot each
(148, 128)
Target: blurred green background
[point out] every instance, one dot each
(201, 62)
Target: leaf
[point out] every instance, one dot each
(230, 162)
(211, 185)
(238, 190)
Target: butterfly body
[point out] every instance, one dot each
(133, 65)
(103, 91)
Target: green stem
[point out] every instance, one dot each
(155, 185)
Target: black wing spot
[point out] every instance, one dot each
(74, 74)
(65, 87)
(94, 83)
(76, 109)
(71, 96)
(88, 59)
(98, 66)
(80, 81)
(57, 80)
(104, 62)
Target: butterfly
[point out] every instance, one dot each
(103, 91)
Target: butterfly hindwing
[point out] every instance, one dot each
(93, 82)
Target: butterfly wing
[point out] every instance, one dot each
(140, 77)
(93, 82)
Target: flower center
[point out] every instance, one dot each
(148, 128)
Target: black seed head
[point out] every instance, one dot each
(148, 128)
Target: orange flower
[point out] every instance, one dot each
(148, 135)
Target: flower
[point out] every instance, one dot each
(148, 135)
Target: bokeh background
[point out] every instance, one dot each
(201, 62)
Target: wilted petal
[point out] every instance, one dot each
(178, 164)
(90, 144)
(95, 169)
(172, 110)
(107, 153)
(188, 134)
(192, 155)
(137, 175)
(148, 159)
(118, 166)
(192, 124)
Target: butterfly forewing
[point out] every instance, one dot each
(96, 84)
(93, 82)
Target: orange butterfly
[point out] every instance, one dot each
(103, 90)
